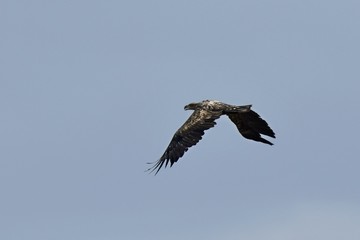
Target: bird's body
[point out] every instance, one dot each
(248, 122)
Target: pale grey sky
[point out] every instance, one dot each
(90, 91)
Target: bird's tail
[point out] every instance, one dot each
(244, 108)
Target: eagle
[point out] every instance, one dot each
(248, 122)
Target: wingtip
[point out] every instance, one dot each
(156, 166)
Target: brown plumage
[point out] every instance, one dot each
(248, 122)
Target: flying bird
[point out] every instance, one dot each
(248, 122)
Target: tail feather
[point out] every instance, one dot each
(238, 109)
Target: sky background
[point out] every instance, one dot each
(90, 91)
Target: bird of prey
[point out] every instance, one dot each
(248, 122)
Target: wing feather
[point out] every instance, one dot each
(251, 126)
(188, 135)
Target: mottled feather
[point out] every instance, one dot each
(188, 135)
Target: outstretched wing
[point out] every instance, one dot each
(251, 126)
(189, 134)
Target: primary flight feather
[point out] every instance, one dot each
(248, 122)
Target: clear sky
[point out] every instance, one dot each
(90, 91)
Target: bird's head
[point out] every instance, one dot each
(191, 106)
